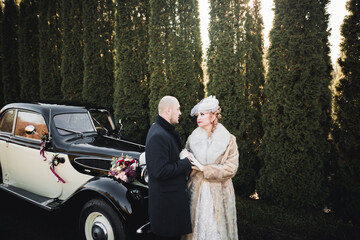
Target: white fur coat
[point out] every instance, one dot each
(219, 155)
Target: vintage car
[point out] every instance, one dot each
(58, 156)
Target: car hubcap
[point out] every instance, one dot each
(98, 227)
(98, 231)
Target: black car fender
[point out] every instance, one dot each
(114, 192)
(129, 200)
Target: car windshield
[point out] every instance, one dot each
(70, 123)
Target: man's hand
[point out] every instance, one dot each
(196, 164)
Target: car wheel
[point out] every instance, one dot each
(99, 221)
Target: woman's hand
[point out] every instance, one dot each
(196, 164)
(184, 154)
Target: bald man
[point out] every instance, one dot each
(169, 209)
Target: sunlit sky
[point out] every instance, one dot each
(336, 9)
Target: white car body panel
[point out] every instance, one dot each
(42, 182)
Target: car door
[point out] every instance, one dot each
(27, 169)
(6, 129)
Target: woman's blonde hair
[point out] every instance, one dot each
(217, 115)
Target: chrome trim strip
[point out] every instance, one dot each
(140, 230)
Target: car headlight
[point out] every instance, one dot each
(143, 172)
(144, 177)
(142, 159)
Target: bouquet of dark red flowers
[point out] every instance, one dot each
(124, 168)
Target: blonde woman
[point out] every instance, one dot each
(213, 211)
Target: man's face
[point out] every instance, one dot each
(175, 113)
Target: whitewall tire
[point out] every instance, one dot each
(99, 221)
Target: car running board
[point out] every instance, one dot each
(43, 202)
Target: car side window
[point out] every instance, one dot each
(25, 119)
(101, 120)
(7, 121)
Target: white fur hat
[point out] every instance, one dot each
(209, 104)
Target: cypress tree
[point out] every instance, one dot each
(29, 50)
(254, 59)
(72, 65)
(98, 22)
(175, 57)
(226, 64)
(296, 110)
(195, 45)
(131, 87)
(10, 62)
(50, 50)
(186, 75)
(233, 80)
(347, 115)
(1, 55)
(158, 52)
(250, 134)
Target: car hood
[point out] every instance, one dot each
(104, 147)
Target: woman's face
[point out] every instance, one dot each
(205, 119)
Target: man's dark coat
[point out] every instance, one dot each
(169, 209)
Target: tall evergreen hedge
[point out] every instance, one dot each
(296, 111)
(72, 66)
(29, 50)
(50, 50)
(226, 60)
(131, 87)
(98, 22)
(236, 76)
(10, 62)
(175, 57)
(250, 135)
(347, 115)
(159, 28)
(185, 81)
